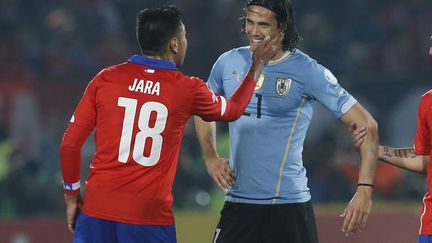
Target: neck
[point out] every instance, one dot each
(161, 57)
(278, 55)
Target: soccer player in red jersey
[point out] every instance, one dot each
(416, 159)
(138, 110)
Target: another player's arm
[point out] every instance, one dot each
(404, 158)
(218, 168)
(357, 211)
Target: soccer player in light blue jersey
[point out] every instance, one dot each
(267, 197)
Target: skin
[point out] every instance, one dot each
(259, 23)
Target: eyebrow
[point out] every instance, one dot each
(259, 22)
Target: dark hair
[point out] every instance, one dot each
(285, 18)
(156, 26)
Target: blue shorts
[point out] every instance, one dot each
(425, 239)
(89, 229)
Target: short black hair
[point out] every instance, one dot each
(284, 12)
(156, 26)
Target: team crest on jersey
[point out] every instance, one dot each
(260, 82)
(283, 86)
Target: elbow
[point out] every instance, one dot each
(372, 126)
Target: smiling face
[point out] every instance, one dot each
(260, 22)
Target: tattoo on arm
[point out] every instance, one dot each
(403, 153)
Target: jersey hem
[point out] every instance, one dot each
(267, 201)
(130, 221)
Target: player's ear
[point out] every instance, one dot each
(173, 45)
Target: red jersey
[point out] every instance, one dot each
(423, 146)
(139, 110)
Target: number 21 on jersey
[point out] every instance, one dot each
(145, 131)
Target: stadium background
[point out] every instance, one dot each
(49, 50)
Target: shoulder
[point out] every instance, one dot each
(304, 60)
(310, 69)
(189, 81)
(235, 53)
(113, 71)
(426, 99)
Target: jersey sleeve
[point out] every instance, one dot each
(323, 86)
(215, 80)
(422, 142)
(81, 125)
(212, 107)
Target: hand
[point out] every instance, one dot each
(357, 212)
(73, 207)
(267, 49)
(358, 135)
(220, 172)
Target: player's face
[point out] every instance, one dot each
(260, 22)
(182, 46)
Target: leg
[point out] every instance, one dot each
(293, 223)
(239, 223)
(89, 229)
(129, 233)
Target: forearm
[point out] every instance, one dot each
(206, 133)
(404, 158)
(368, 155)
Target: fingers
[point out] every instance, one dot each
(358, 135)
(354, 221)
(222, 174)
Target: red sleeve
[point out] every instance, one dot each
(213, 107)
(81, 125)
(422, 142)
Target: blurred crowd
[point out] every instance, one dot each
(49, 50)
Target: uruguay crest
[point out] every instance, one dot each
(283, 86)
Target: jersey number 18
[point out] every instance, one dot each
(145, 132)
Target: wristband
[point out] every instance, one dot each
(365, 184)
(71, 186)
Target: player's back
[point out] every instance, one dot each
(141, 110)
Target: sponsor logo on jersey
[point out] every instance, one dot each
(237, 75)
(283, 86)
(260, 82)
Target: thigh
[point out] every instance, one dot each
(239, 223)
(89, 229)
(425, 239)
(293, 223)
(134, 233)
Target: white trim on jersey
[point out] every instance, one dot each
(348, 104)
(424, 212)
(223, 105)
(72, 186)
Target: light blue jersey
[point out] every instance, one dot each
(266, 143)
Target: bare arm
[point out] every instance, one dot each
(369, 148)
(404, 158)
(357, 212)
(218, 168)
